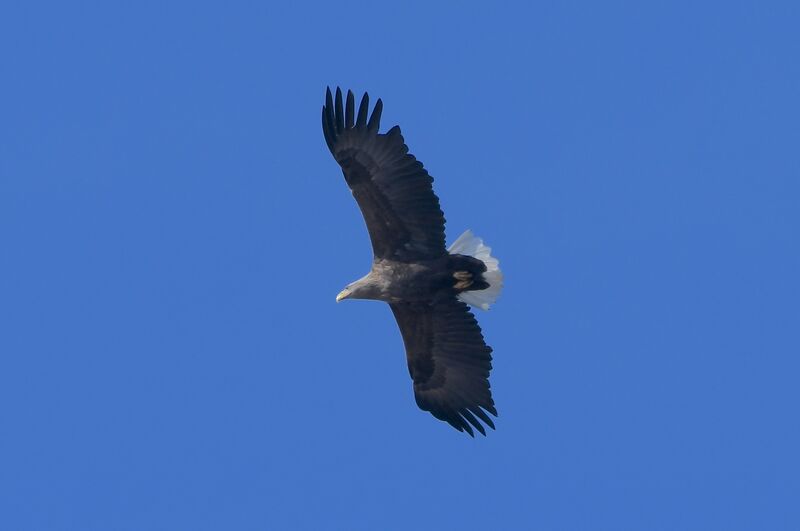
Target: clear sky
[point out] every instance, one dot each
(173, 233)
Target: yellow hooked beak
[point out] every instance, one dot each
(342, 295)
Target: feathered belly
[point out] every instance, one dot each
(411, 282)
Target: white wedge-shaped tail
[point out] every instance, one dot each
(471, 245)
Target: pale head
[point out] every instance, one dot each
(363, 288)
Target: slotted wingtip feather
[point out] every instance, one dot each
(349, 110)
(363, 110)
(326, 130)
(328, 98)
(464, 419)
(339, 114)
(375, 119)
(472, 420)
(483, 416)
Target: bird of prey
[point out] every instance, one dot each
(427, 285)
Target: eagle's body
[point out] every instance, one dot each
(425, 284)
(392, 281)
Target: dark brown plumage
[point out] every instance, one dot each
(448, 360)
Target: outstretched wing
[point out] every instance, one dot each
(448, 361)
(392, 188)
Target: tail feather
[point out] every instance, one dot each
(471, 245)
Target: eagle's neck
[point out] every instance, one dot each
(371, 286)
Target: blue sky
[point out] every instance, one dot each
(173, 233)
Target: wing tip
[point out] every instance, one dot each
(375, 119)
(464, 419)
(341, 115)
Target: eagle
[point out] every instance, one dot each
(427, 286)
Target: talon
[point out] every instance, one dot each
(463, 284)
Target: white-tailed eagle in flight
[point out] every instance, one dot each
(427, 285)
